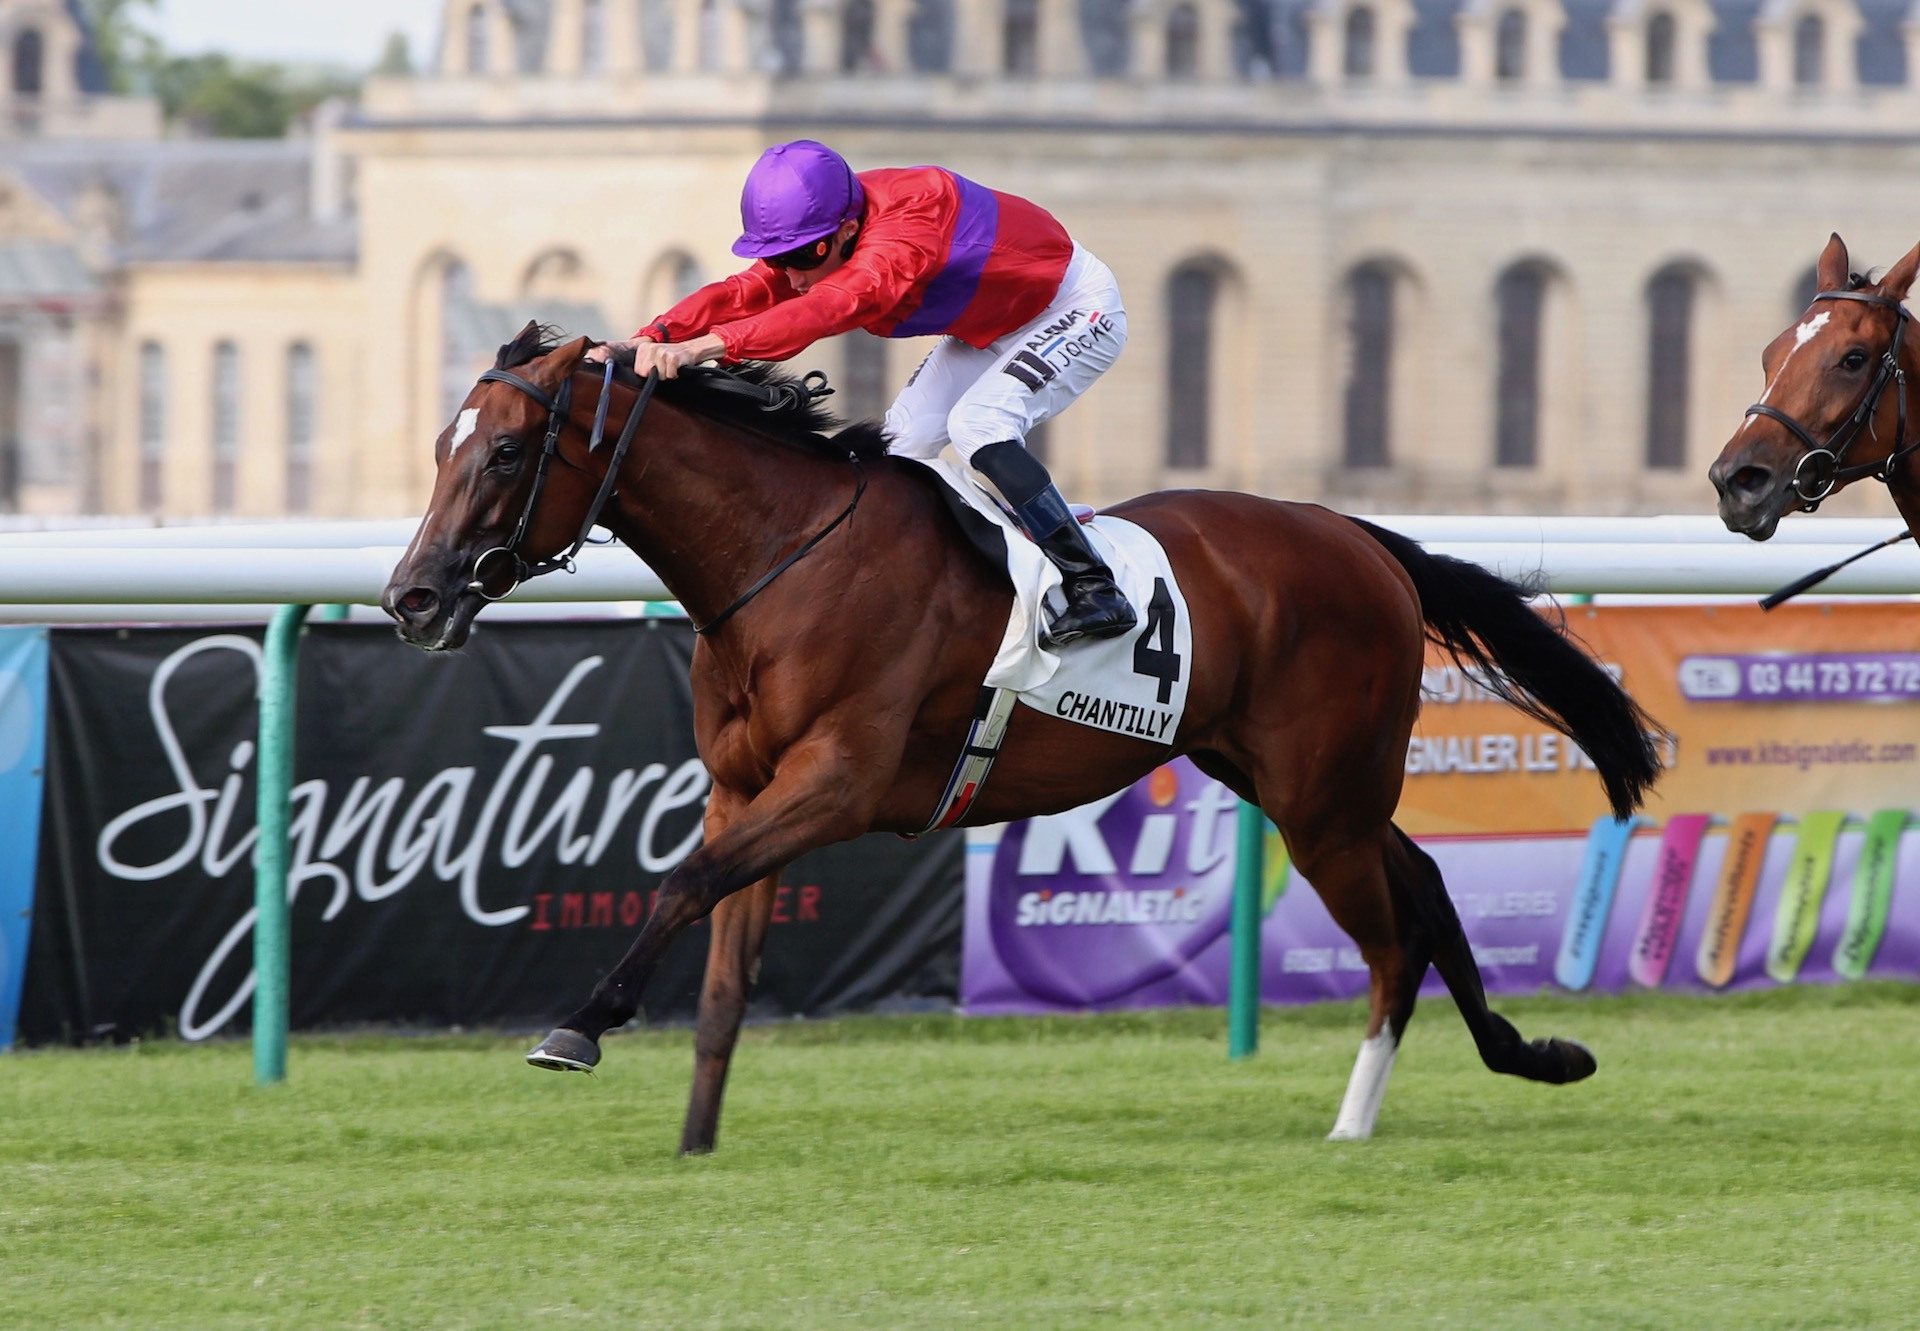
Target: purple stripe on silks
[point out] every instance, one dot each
(952, 288)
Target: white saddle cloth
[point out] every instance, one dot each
(1133, 684)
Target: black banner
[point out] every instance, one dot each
(476, 838)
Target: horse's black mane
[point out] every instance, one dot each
(803, 423)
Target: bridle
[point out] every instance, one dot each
(809, 388)
(559, 407)
(1819, 471)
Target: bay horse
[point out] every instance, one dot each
(836, 700)
(1827, 417)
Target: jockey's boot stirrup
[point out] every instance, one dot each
(1095, 607)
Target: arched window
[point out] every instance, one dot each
(1369, 366)
(1521, 295)
(593, 36)
(1183, 42)
(1809, 51)
(1193, 296)
(930, 35)
(29, 63)
(556, 277)
(477, 39)
(865, 384)
(226, 426)
(856, 37)
(1510, 46)
(707, 52)
(456, 338)
(1662, 35)
(302, 399)
(153, 421)
(1357, 61)
(1020, 38)
(1670, 305)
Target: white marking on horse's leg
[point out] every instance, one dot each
(1365, 1088)
(463, 429)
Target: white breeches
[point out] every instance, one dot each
(975, 396)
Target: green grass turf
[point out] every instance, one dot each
(1741, 1162)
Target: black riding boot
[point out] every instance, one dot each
(1095, 607)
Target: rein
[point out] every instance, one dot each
(1819, 471)
(788, 396)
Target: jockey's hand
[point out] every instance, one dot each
(669, 358)
(620, 353)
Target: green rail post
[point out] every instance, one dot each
(272, 944)
(1243, 986)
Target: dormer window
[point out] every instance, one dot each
(1183, 42)
(477, 40)
(1809, 51)
(1662, 36)
(1510, 46)
(1359, 63)
(1020, 39)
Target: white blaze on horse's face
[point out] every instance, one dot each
(463, 428)
(1802, 334)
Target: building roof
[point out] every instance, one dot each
(194, 199)
(32, 271)
(1276, 35)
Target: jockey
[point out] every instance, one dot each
(1029, 320)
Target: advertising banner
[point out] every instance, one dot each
(1779, 847)
(476, 837)
(23, 695)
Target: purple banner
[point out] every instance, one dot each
(1125, 903)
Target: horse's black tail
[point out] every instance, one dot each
(1485, 622)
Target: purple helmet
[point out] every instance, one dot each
(797, 192)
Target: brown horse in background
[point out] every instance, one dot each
(836, 702)
(1838, 404)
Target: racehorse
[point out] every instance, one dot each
(1826, 418)
(833, 699)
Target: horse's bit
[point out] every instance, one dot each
(559, 406)
(1819, 472)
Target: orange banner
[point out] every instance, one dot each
(1809, 707)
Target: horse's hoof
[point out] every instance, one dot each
(565, 1051)
(1577, 1062)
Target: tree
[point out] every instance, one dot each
(125, 49)
(396, 58)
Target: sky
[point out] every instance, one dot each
(346, 32)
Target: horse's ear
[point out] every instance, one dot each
(1899, 278)
(523, 348)
(1832, 273)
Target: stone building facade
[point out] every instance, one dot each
(1458, 255)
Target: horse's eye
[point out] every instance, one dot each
(506, 454)
(1854, 360)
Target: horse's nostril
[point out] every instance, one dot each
(1752, 480)
(417, 601)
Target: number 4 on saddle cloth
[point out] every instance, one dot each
(1133, 684)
